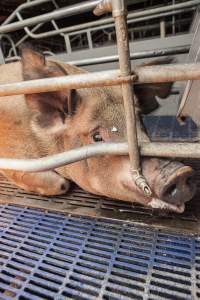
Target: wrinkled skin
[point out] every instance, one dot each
(48, 123)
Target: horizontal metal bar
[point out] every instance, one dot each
(79, 8)
(162, 9)
(167, 73)
(179, 150)
(143, 74)
(136, 55)
(59, 13)
(85, 80)
(98, 25)
(131, 19)
(114, 58)
(23, 6)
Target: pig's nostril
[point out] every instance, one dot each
(171, 191)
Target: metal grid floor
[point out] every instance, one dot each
(52, 256)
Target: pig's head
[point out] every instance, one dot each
(73, 118)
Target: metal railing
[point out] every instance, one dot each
(125, 77)
(88, 29)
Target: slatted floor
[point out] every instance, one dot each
(77, 201)
(52, 256)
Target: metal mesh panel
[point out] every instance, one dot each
(52, 256)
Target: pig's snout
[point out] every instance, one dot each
(174, 184)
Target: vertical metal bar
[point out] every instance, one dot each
(173, 20)
(119, 14)
(2, 60)
(162, 29)
(89, 38)
(67, 43)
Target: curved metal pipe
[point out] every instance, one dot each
(180, 150)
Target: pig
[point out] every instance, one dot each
(37, 125)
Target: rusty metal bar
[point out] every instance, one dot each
(167, 73)
(144, 74)
(119, 13)
(86, 80)
(170, 150)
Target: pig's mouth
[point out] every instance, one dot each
(162, 205)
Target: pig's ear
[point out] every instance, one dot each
(49, 109)
(146, 93)
(33, 62)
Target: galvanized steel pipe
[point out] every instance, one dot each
(135, 55)
(59, 13)
(79, 8)
(113, 58)
(77, 29)
(170, 150)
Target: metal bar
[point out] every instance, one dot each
(170, 150)
(10, 40)
(119, 13)
(114, 58)
(104, 78)
(167, 73)
(63, 12)
(21, 7)
(144, 74)
(2, 60)
(98, 24)
(162, 29)
(136, 55)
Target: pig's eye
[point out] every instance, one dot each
(97, 137)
